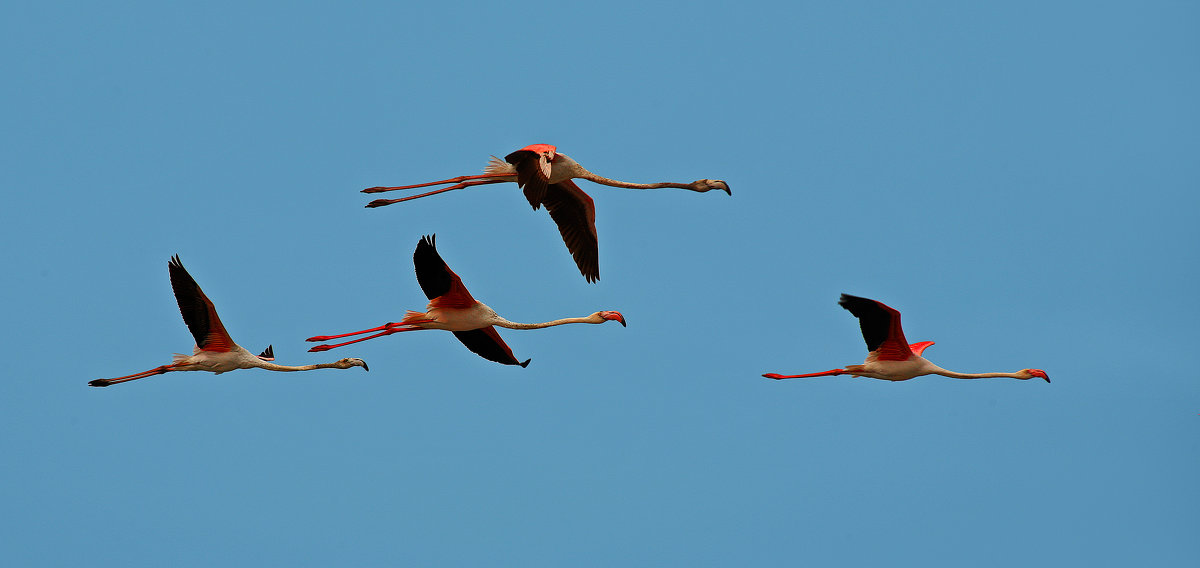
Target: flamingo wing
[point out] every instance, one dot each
(920, 347)
(440, 284)
(575, 214)
(486, 343)
(533, 170)
(198, 311)
(880, 327)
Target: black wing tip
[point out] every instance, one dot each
(176, 269)
(426, 246)
(858, 305)
(99, 383)
(848, 299)
(268, 353)
(427, 242)
(526, 363)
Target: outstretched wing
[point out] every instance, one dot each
(440, 284)
(880, 327)
(533, 170)
(575, 214)
(197, 310)
(486, 343)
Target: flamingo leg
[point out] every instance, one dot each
(135, 376)
(388, 325)
(382, 202)
(777, 376)
(387, 331)
(381, 189)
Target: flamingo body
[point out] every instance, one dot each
(891, 357)
(452, 308)
(545, 177)
(215, 350)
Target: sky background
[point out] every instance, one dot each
(1019, 179)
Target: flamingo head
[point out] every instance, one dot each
(703, 185)
(611, 315)
(1031, 373)
(352, 362)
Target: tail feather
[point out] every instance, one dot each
(411, 317)
(497, 166)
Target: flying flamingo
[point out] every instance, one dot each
(452, 308)
(215, 351)
(891, 357)
(545, 176)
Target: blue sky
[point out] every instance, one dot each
(1018, 179)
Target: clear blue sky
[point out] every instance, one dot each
(1018, 178)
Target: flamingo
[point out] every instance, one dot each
(215, 351)
(891, 357)
(452, 308)
(545, 176)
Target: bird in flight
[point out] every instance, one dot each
(891, 358)
(545, 176)
(452, 308)
(215, 351)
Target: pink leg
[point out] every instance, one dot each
(381, 189)
(382, 202)
(777, 376)
(388, 331)
(388, 325)
(135, 376)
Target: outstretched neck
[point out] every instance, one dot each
(954, 375)
(515, 325)
(584, 174)
(273, 367)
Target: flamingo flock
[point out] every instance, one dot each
(545, 177)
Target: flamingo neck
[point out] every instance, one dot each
(584, 174)
(954, 375)
(515, 325)
(286, 368)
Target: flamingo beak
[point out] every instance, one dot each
(1040, 373)
(615, 316)
(365, 367)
